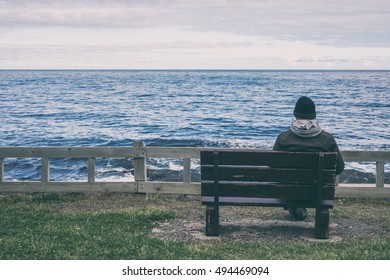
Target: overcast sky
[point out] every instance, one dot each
(195, 34)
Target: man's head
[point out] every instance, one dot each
(305, 109)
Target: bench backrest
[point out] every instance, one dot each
(253, 177)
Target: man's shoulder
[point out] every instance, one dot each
(288, 133)
(285, 133)
(326, 135)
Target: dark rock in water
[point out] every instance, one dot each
(352, 176)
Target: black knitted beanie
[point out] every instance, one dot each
(305, 109)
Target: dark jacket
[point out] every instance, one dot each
(324, 142)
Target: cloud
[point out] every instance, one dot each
(105, 48)
(369, 63)
(343, 23)
(194, 34)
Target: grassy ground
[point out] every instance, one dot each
(110, 226)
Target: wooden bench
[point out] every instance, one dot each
(268, 178)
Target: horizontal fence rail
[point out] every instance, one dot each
(139, 153)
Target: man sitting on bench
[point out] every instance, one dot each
(305, 135)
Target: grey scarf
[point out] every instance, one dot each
(305, 128)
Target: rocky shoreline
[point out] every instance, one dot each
(349, 176)
(352, 176)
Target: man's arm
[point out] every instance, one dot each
(340, 161)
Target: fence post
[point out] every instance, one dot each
(1, 170)
(139, 163)
(45, 170)
(91, 170)
(187, 170)
(380, 174)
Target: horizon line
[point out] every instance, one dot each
(182, 69)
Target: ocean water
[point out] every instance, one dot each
(181, 108)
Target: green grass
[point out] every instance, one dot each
(76, 226)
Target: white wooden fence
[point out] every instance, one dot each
(140, 153)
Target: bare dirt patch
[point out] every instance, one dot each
(259, 224)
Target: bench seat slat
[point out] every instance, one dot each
(259, 174)
(255, 201)
(269, 158)
(266, 190)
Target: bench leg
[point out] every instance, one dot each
(322, 224)
(212, 220)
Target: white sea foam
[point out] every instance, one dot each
(128, 177)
